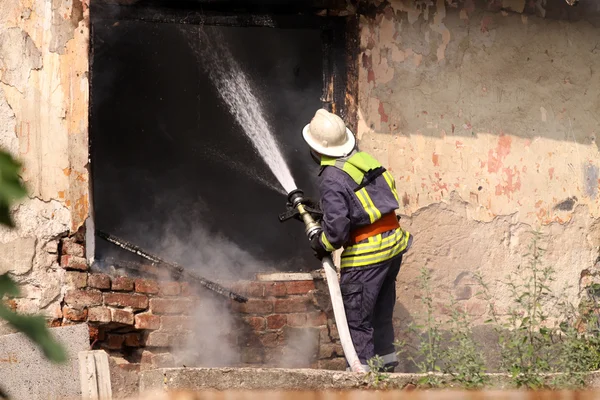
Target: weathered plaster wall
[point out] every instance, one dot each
(43, 122)
(489, 121)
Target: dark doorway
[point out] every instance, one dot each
(172, 170)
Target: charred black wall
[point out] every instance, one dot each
(172, 171)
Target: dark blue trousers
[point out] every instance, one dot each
(369, 295)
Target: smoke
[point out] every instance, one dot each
(174, 175)
(301, 348)
(209, 254)
(211, 342)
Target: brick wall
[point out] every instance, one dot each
(143, 321)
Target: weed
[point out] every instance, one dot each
(462, 359)
(429, 351)
(542, 339)
(375, 377)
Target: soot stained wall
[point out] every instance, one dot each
(173, 171)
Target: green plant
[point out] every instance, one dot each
(11, 190)
(543, 340)
(428, 352)
(462, 359)
(525, 338)
(579, 340)
(376, 378)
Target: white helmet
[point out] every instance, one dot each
(328, 135)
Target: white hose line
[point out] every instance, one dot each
(340, 315)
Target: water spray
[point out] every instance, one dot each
(309, 217)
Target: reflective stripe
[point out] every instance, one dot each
(376, 245)
(326, 243)
(376, 248)
(390, 181)
(360, 162)
(389, 358)
(367, 203)
(386, 253)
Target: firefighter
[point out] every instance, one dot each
(358, 199)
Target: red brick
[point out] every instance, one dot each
(122, 283)
(156, 339)
(256, 323)
(255, 306)
(132, 339)
(330, 349)
(147, 321)
(175, 323)
(146, 286)
(170, 306)
(299, 287)
(121, 316)
(276, 321)
(316, 318)
(69, 247)
(146, 357)
(135, 301)
(333, 331)
(73, 262)
(275, 289)
(187, 289)
(169, 288)
(253, 289)
(99, 314)
(324, 335)
(83, 298)
(271, 339)
(75, 314)
(114, 341)
(296, 320)
(94, 333)
(76, 280)
(99, 281)
(291, 305)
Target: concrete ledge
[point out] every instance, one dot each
(200, 379)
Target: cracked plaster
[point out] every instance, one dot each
(43, 123)
(499, 109)
(488, 121)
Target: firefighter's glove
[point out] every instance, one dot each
(319, 251)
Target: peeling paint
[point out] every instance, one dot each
(43, 122)
(66, 17)
(18, 56)
(50, 104)
(498, 124)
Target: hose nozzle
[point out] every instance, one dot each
(296, 199)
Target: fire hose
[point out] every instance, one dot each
(312, 227)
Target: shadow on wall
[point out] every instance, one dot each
(471, 68)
